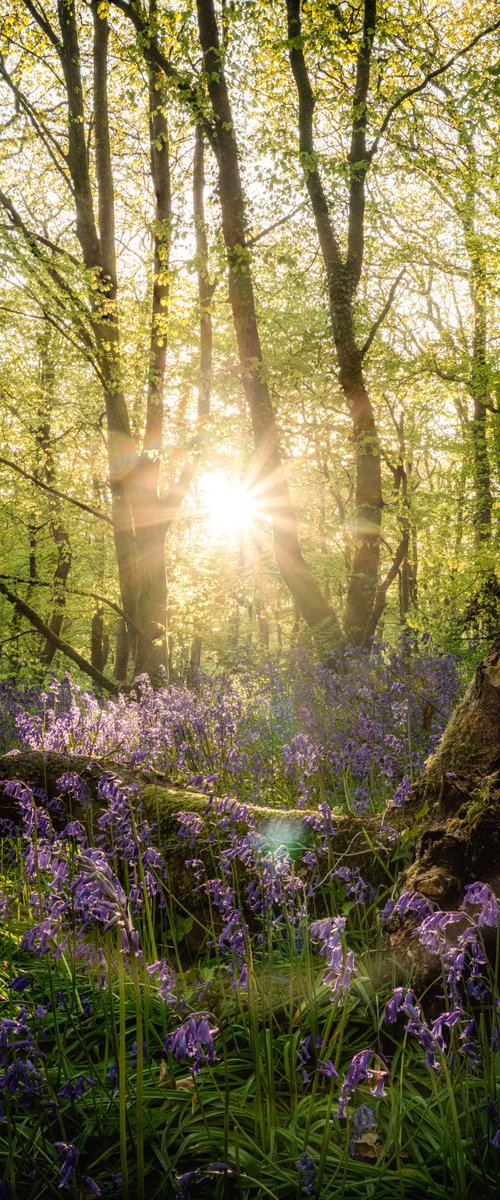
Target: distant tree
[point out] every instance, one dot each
(77, 145)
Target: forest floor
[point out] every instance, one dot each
(212, 1003)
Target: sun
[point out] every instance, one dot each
(228, 508)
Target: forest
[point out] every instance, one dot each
(249, 599)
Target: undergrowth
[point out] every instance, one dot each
(266, 1044)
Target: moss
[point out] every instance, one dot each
(358, 842)
(361, 841)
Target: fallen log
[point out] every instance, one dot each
(454, 811)
(358, 841)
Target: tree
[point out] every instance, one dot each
(312, 234)
(141, 514)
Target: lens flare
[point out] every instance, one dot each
(228, 508)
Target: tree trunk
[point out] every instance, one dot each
(479, 384)
(150, 531)
(206, 286)
(268, 476)
(58, 529)
(343, 275)
(193, 679)
(97, 639)
(456, 802)
(161, 802)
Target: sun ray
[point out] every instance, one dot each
(227, 506)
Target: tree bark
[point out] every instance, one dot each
(206, 286)
(354, 843)
(456, 802)
(57, 526)
(97, 639)
(479, 383)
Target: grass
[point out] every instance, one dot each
(147, 1052)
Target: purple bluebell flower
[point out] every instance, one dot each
(307, 1168)
(68, 1156)
(431, 1037)
(482, 896)
(355, 886)
(190, 827)
(393, 1007)
(361, 798)
(362, 1120)
(431, 932)
(71, 784)
(413, 902)
(191, 1183)
(403, 793)
(99, 896)
(306, 1054)
(325, 1067)
(193, 1041)
(359, 1072)
(167, 980)
(74, 1088)
(20, 983)
(321, 822)
(340, 962)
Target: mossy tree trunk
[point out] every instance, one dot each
(456, 802)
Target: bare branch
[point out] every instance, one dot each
(382, 315)
(420, 87)
(383, 588)
(94, 512)
(73, 592)
(25, 610)
(257, 237)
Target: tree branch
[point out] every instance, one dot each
(38, 124)
(73, 592)
(45, 25)
(257, 237)
(178, 490)
(382, 315)
(420, 87)
(25, 610)
(32, 239)
(94, 512)
(183, 86)
(383, 588)
(29, 234)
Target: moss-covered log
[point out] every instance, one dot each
(358, 842)
(455, 805)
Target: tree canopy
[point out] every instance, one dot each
(249, 376)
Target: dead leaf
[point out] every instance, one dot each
(369, 1146)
